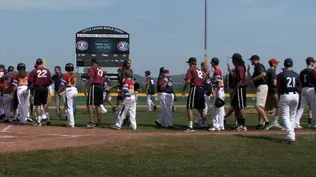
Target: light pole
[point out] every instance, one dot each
(205, 31)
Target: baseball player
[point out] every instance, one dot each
(150, 90)
(41, 79)
(5, 88)
(2, 73)
(95, 87)
(218, 85)
(136, 88)
(208, 90)
(165, 97)
(129, 103)
(307, 91)
(195, 78)
(231, 85)
(106, 93)
(288, 83)
(69, 81)
(59, 94)
(259, 80)
(272, 98)
(239, 92)
(20, 86)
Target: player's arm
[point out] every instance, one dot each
(14, 84)
(187, 79)
(262, 74)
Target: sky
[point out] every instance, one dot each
(162, 32)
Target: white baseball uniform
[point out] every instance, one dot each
(7, 105)
(22, 94)
(71, 93)
(166, 101)
(218, 114)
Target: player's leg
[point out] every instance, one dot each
(22, 98)
(57, 103)
(293, 108)
(285, 116)
(121, 115)
(132, 113)
(70, 95)
(241, 104)
(221, 111)
(168, 109)
(215, 121)
(103, 110)
(200, 105)
(45, 97)
(310, 116)
(261, 97)
(310, 99)
(1, 108)
(90, 102)
(160, 120)
(37, 104)
(190, 104)
(300, 111)
(199, 121)
(7, 102)
(98, 100)
(149, 103)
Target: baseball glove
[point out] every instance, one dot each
(175, 98)
(219, 103)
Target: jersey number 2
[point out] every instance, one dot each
(41, 73)
(290, 82)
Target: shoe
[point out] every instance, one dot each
(115, 127)
(277, 125)
(170, 127)
(241, 128)
(70, 126)
(98, 124)
(29, 120)
(158, 124)
(189, 129)
(213, 129)
(66, 117)
(259, 127)
(298, 127)
(288, 141)
(267, 127)
(48, 123)
(155, 107)
(114, 110)
(103, 111)
(38, 124)
(7, 121)
(221, 128)
(91, 125)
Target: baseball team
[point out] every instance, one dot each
(288, 93)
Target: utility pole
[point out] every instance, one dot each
(205, 30)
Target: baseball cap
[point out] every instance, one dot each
(288, 62)
(273, 61)
(163, 70)
(310, 59)
(254, 57)
(147, 72)
(192, 60)
(215, 60)
(2, 66)
(39, 61)
(236, 56)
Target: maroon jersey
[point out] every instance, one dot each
(40, 77)
(96, 73)
(196, 76)
(240, 76)
(1, 74)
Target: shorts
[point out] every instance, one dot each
(272, 101)
(95, 95)
(238, 99)
(40, 96)
(261, 95)
(196, 98)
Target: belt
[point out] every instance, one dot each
(289, 93)
(22, 85)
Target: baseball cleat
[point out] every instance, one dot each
(115, 127)
(277, 125)
(298, 127)
(29, 120)
(155, 107)
(288, 141)
(189, 129)
(91, 125)
(222, 128)
(213, 129)
(158, 124)
(241, 128)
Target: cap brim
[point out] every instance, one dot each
(188, 62)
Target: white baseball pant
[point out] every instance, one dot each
(166, 101)
(307, 98)
(128, 106)
(149, 102)
(22, 94)
(218, 113)
(71, 93)
(199, 121)
(7, 102)
(288, 107)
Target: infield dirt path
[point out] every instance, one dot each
(17, 138)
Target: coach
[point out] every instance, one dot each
(259, 80)
(59, 94)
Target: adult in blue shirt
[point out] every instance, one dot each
(59, 94)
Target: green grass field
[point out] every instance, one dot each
(200, 155)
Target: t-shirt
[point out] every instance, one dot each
(196, 76)
(96, 73)
(271, 77)
(20, 81)
(40, 77)
(240, 76)
(259, 68)
(217, 77)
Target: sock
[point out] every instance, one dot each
(190, 124)
(39, 119)
(242, 120)
(238, 122)
(266, 123)
(309, 120)
(47, 116)
(276, 118)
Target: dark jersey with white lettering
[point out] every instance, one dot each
(288, 81)
(306, 77)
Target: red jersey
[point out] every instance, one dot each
(20, 81)
(40, 77)
(96, 73)
(1, 74)
(240, 76)
(5, 87)
(196, 76)
(217, 77)
(70, 81)
(128, 87)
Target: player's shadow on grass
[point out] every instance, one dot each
(259, 137)
(176, 127)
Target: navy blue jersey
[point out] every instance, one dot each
(306, 77)
(150, 81)
(271, 78)
(207, 87)
(288, 81)
(169, 88)
(164, 84)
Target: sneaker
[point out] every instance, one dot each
(213, 129)
(103, 111)
(114, 110)
(38, 124)
(91, 125)
(48, 123)
(189, 129)
(267, 127)
(115, 127)
(298, 127)
(158, 124)
(277, 125)
(221, 128)
(155, 107)
(241, 128)
(70, 126)
(288, 141)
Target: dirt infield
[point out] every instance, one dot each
(17, 138)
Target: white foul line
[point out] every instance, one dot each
(6, 128)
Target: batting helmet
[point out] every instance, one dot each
(21, 66)
(69, 67)
(10, 68)
(219, 102)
